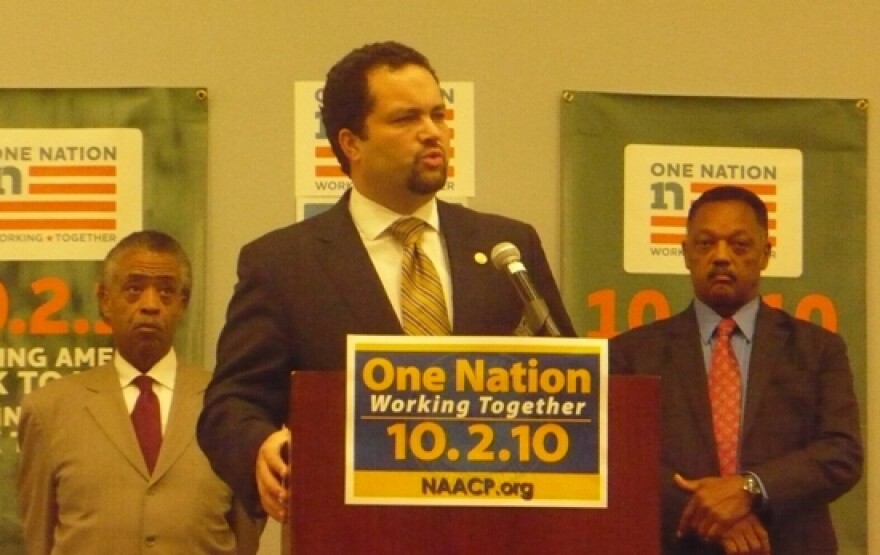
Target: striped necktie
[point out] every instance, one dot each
(725, 396)
(423, 303)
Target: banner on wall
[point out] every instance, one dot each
(632, 165)
(79, 170)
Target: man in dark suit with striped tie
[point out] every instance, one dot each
(304, 288)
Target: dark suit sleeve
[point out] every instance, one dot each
(809, 448)
(247, 398)
(639, 352)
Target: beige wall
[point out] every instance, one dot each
(520, 54)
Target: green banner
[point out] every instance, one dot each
(631, 166)
(80, 169)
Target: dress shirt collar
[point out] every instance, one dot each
(164, 371)
(707, 319)
(372, 219)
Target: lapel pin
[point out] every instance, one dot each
(480, 258)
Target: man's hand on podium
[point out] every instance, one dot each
(272, 471)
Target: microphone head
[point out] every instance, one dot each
(504, 254)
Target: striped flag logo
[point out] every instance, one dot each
(81, 197)
(671, 229)
(68, 194)
(662, 181)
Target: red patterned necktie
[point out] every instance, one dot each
(725, 395)
(423, 304)
(146, 420)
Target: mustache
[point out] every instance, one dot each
(721, 272)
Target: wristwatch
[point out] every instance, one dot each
(753, 488)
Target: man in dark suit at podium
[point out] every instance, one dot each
(792, 442)
(302, 289)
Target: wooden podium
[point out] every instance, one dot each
(321, 523)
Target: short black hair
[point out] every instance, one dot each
(731, 192)
(153, 241)
(346, 99)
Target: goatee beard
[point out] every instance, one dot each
(427, 184)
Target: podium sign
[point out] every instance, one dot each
(321, 522)
(476, 421)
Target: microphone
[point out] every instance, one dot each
(506, 257)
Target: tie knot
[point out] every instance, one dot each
(408, 230)
(726, 327)
(144, 383)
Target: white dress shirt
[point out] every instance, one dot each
(163, 374)
(372, 221)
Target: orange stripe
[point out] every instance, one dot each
(669, 221)
(450, 171)
(58, 224)
(57, 206)
(449, 114)
(72, 189)
(757, 188)
(667, 238)
(324, 152)
(329, 171)
(68, 171)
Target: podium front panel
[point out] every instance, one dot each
(321, 523)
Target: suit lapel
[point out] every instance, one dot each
(340, 252)
(463, 244)
(770, 338)
(182, 418)
(690, 368)
(107, 407)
